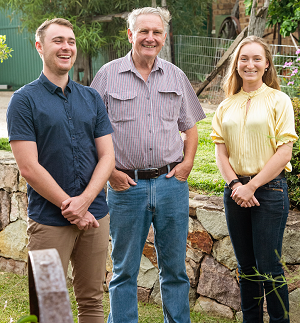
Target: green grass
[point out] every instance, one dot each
(205, 176)
(14, 303)
(4, 144)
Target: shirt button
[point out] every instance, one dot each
(66, 101)
(147, 97)
(70, 118)
(150, 131)
(150, 149)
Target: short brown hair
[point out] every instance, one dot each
(233, 82)
(40, 32)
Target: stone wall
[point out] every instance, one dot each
(210, 261)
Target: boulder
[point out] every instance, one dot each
(13, 241)
(214, 222)
(216, 282)
(212, 308)
(147, 274)
(224, 254)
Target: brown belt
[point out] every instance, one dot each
(245, 179)
(148, 173)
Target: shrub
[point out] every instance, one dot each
(293, 178)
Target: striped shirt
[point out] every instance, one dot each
(147, 116)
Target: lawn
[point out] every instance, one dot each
(14, 303)
(205, 176)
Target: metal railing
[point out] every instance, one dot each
(197, 57)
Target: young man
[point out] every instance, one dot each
(149, 101)
(61, 138)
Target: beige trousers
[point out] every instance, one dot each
(87, 251)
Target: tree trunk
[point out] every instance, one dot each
(82, 64)
(165, 52)
(258, 19)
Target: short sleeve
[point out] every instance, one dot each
(191, 110)
(20, 125)
(216, 134)
(284, 121)
(103, 125)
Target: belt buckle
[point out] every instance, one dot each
(155, 170)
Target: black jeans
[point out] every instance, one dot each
(256, 234)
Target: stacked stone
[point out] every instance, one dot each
(210, 260)
(13, 215)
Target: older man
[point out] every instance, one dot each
(60, 136)
(149, 102)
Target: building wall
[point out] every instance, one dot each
(223, 8)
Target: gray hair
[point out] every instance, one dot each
(163, 13)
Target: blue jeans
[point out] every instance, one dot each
(164, 203)
(256, 234)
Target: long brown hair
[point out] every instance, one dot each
(233, 82)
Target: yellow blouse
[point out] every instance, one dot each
(252, 138)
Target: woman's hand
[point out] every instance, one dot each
(243, 195)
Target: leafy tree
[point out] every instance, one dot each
(4, 49)
(91, 32)
(286, 13)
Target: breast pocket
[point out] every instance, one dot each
(171, 103)
(121, 106)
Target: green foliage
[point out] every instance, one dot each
(293, 178)
(248, 6)
(27, 318)
(293, 75)
(4, 144)
(286, 13)
(189, 17)
(4, 49)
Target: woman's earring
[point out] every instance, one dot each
(266, 69)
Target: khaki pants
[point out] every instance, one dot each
(87, 251)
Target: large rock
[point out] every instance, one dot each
(150, 252)
(4, 209)
(13, 241)
(143, 294)
(13, 266)
(193, 205)
(147, 274)
(9, 176)
(212, 308)
(216, 282)
(224, 254)
(291, 239)
(18, 207)
(192, 270)
(292, 275)
(155, 296)
(295, 306)
(200, 240)
(214, 222)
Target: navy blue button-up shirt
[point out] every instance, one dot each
(64, 128)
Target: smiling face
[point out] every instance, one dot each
(251, 65)
(58, 50)
(148, 38)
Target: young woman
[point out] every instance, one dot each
(253, 129)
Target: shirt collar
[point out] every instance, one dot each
(128, 65)
(51, 87)
(252, 94)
